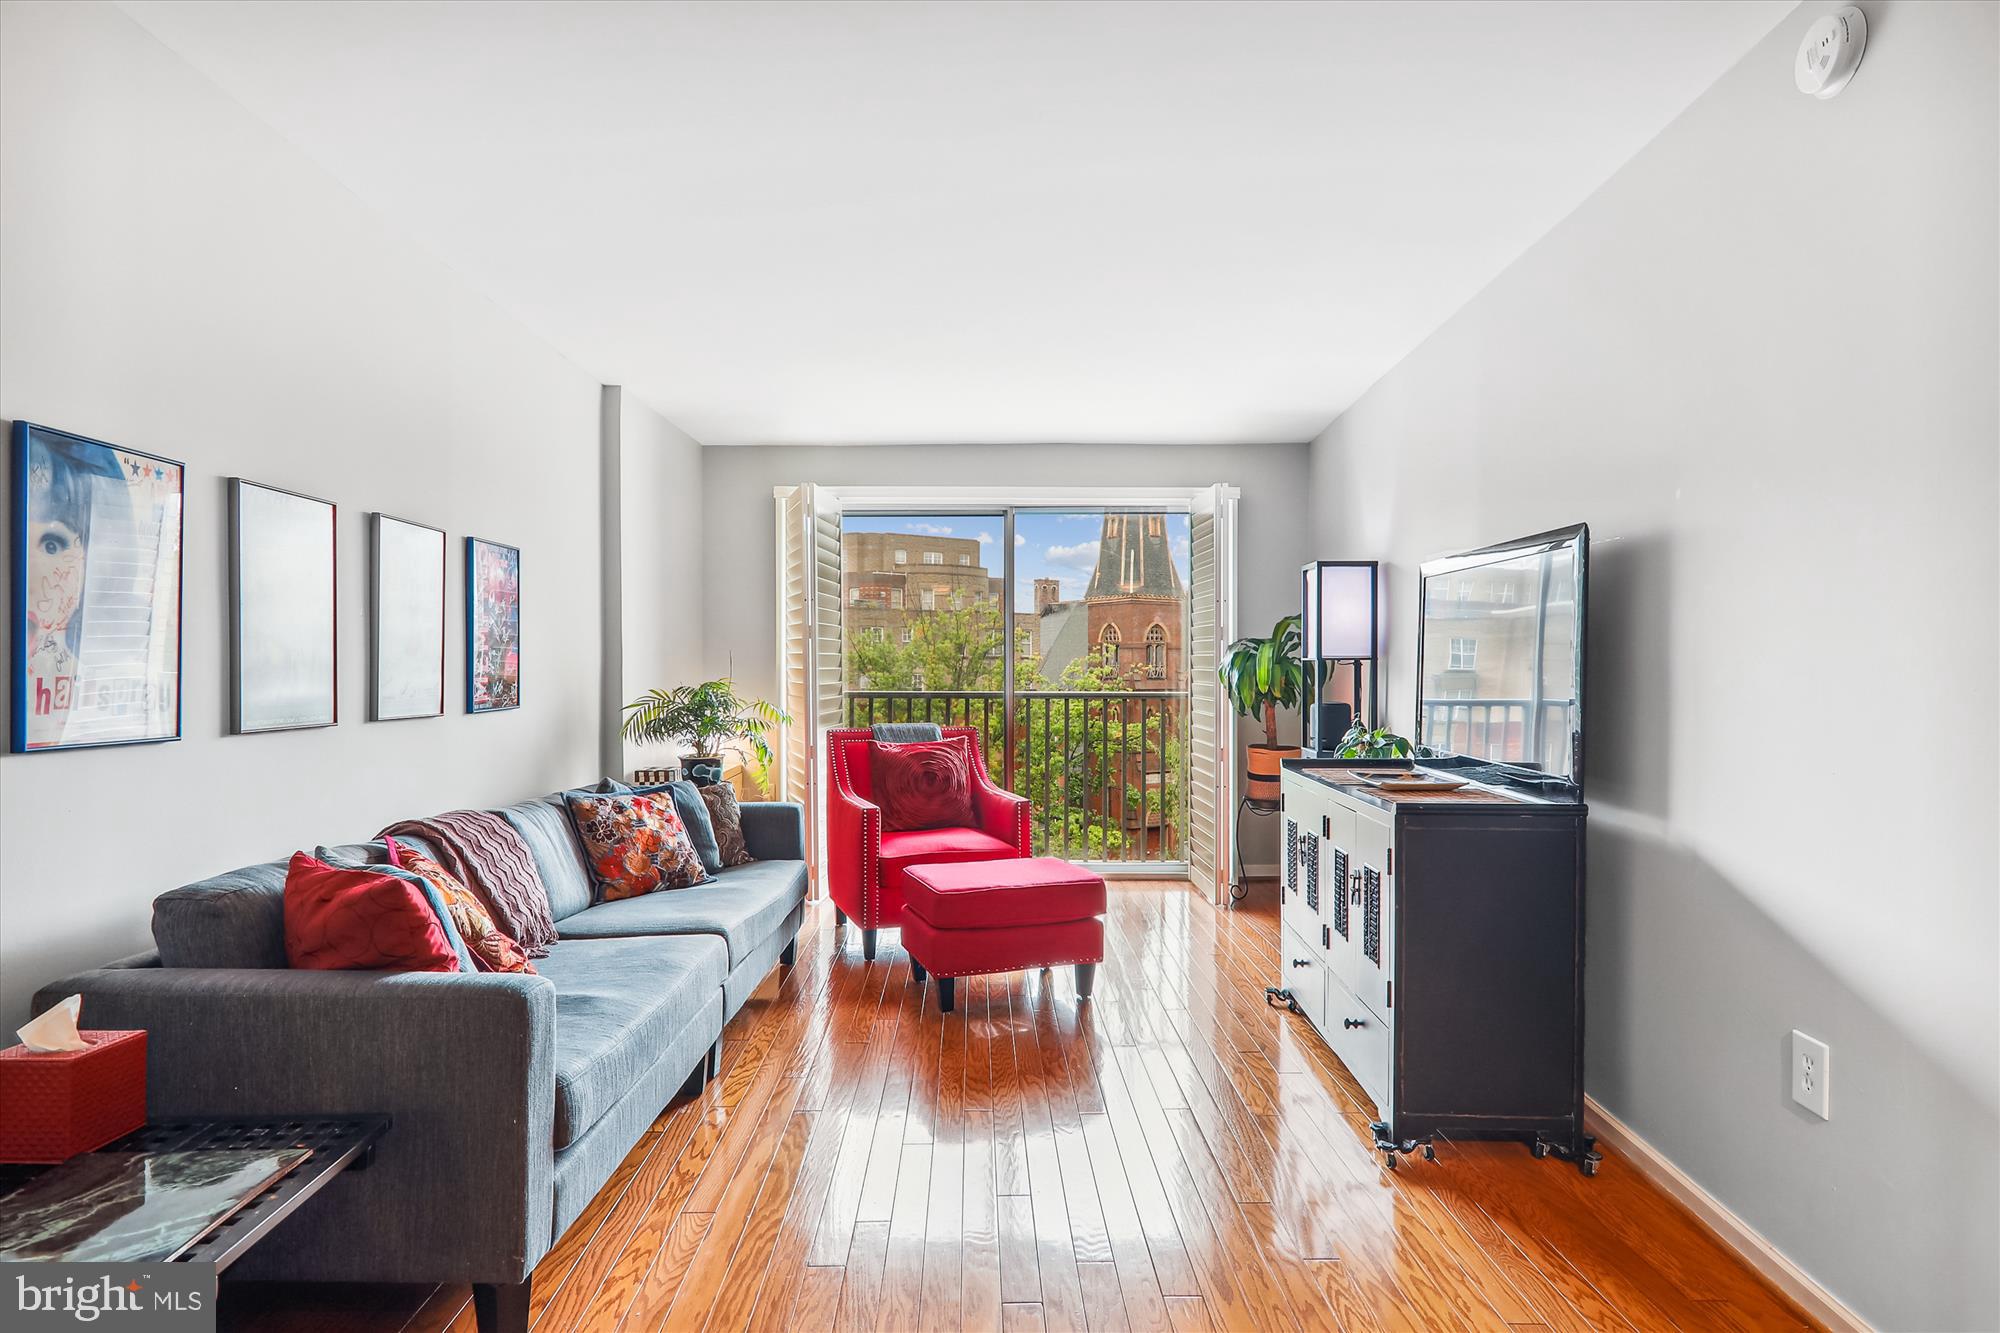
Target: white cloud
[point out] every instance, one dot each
(985, 539)
(927, 529)
(1082, 556)
(1020, 540)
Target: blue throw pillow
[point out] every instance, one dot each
(689, 806)
(429, 890)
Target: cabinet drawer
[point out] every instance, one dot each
(1305, 976)
(1361, 1040)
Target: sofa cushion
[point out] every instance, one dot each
(687, 804)
(743, 905)
(926, 846)
(235, 919)
(633, 844)
(619, 1003)
(370, 919)
(544, 825)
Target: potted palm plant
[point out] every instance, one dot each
(703, 716)
(1260, 676)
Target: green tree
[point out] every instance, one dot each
(1081, 741)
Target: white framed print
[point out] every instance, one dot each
(406, 617)
(283, 586)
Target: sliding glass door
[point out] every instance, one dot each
(1061, 635)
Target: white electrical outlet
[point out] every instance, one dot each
(1812, 1073)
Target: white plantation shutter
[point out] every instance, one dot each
(809, 647)
(1212, 723)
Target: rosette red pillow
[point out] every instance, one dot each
(925, 784)
(337, 918)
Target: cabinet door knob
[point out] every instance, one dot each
(1302, 962)
(1353, 1023)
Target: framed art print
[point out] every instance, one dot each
(492, 626)
(406, 610)
(96, 609)
(282, 586)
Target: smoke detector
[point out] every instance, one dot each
(1831, 52)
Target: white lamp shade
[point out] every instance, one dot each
(1343, 626)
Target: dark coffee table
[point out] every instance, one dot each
(338, 1143)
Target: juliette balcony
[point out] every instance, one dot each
(1106, 770)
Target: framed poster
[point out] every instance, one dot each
(492, 626)
(97, 593)
(406, 612)
(282, 584)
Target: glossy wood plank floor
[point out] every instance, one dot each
(1172, 1155)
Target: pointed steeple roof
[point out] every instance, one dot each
(1134, 559)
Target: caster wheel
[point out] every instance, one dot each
(1389, 1160)
(1539, 1149)
(1430, 1153)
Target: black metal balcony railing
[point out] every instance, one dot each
(1105, 771)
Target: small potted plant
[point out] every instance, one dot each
(1260, 676)
(1365, 742)
(703, 716)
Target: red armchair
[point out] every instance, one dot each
(865, 865)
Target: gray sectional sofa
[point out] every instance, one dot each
(514, 1097)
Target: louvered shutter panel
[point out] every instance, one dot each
(1212, 729)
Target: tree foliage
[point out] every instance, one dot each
(1082, 742)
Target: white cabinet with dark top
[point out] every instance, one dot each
(1436, 945)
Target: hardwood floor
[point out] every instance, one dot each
(1173, 1154)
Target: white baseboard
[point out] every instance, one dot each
(1748, 1244)
(1261, 871)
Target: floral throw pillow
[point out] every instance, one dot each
(634, 844)
(493, 949)
(726, 817)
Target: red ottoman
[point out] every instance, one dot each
(966, 918)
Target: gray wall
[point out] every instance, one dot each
(1761, 363)
(739, 575)
(653, 591)
(179, 279)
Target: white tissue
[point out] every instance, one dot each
(54, 1030)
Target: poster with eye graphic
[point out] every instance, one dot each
(97, 593)
(492, 626)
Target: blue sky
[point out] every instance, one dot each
(1062, 545)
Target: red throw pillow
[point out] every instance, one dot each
(360, 919)
(926, 784)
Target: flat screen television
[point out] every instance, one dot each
(1500, 658)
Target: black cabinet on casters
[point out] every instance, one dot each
(1437, 946)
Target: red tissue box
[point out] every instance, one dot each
(56, 1104)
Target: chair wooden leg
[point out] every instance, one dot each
(501, 1307)
(868, 944)
(790, 957)
(1086, 977)
(947, 988)
(917, 969)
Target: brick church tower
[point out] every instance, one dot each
(1136, 604)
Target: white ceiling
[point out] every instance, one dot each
(927, 222)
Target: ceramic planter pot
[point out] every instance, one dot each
(1264, 763)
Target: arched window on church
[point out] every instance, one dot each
(1107, 644)
(1156, 651)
